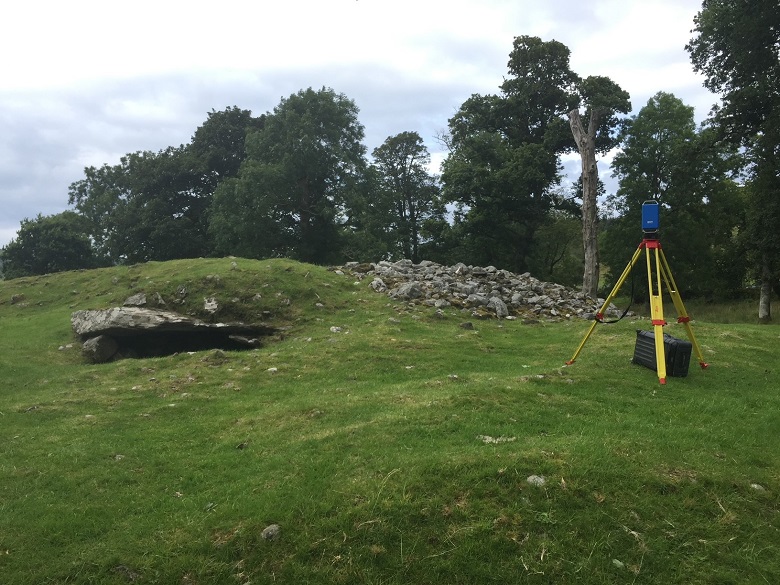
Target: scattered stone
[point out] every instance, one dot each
(407, 291)
(128, 574)
(536, 480)
(17, 299)
(210, 305)
(100, 349)
(137, 300)
(245, 341)
(488, 440)
(499, 307)
(378, 285)
(467, 325)
(335, 329)
(271, 532)
(758, 487)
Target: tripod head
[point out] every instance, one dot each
(650, 222)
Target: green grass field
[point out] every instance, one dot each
(388, 444)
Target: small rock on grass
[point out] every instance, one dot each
(271, 532)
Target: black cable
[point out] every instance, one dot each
(630, 304)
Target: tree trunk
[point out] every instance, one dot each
(586, 145)
(764, 299)
(414, 235)
(306, 249)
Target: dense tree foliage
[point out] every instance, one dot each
(218, 147)
(737, 48)
(411, 193)
(153, 206)
(557, 251)
(665, 159)
(52, 243)
(503, 160)
(289, 197)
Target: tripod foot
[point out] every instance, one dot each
(662, 381)
(570, 362)
(704, 365)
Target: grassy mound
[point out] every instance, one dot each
(389, 444)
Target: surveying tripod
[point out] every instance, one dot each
(657, 271)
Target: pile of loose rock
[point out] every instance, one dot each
(484, 292)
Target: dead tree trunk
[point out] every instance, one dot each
(586, 145)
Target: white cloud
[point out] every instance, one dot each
(92, 80)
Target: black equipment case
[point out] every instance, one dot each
(676, 351)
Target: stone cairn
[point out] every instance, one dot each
(483, 292)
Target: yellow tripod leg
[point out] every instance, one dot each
(610, 297)
(682, 315)
(656, 308)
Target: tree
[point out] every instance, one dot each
(602, 99)
(367, 232)
(736, 45)
(47, 244)
(96, 198)
(666, 159)
(153, 206)
(563, 93)
(218, 146)
(536, 119)
(411, 192)
(557, 250)
(300, 169)
(144, 208)
(501, 197)
(503, 161)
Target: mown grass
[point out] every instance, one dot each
(390, 444)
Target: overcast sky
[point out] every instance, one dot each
(84, 82)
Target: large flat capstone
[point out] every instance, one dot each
(143, 332)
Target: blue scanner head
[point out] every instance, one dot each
(650, 217)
